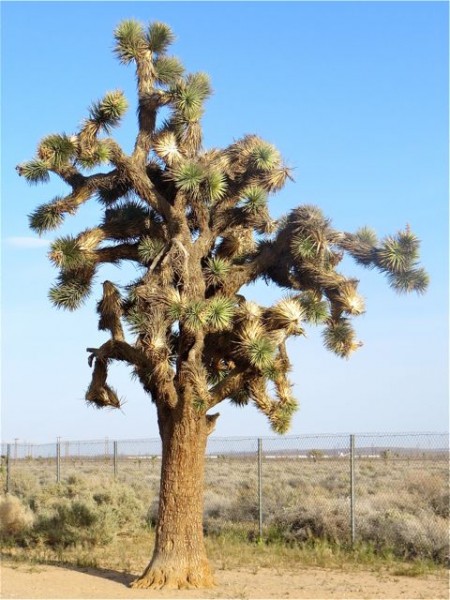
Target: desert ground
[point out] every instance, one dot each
(90, 535)
(46, 581)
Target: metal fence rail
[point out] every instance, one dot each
(338, 486)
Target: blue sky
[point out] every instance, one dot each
(355, 96)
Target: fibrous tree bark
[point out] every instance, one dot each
(196, 223)
(179, 559)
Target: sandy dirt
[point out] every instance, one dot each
(30, 581)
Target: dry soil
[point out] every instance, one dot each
(30, 581)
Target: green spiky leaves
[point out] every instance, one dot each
(130, 40)
(47, 217)
(256, 346)
(132, 43)
(366, 235)
(192, 218)
(216, 270)
(159, 37)
(192, 177)
(254, 199)
(169, 70)
(106, 113)
(175, 306)
(315, 310)
(339, 337)
(305, 248)
(149, 249)
(189, 176)
(190, 95)
(412, 280)
(34, 171)
(99, 153)
(280, 410)
(66, 253)
(76, 255)
(309, 233)
(219, 313)
(265, 157)
(70, 294)
(214, 315)
(281, 416)
(199, 404)
(54, 151)
(216, 185)
(195, 316)
(397, 253)
(137, 321)
(260, 352)
(398, 257)
(57, 150)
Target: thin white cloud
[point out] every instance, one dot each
(26, 242)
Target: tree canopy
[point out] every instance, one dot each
(196, 222)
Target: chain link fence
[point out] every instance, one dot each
(391, 490)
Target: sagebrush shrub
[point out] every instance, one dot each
(75, 522)
(15, 517)
(74, 512)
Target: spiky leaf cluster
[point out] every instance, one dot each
(70, 294)
(195, 316)
(66, 253)
(107, 113)
(190, 95)
(130, 40)
(159, 37)
(339, 337)
(47, 217)
(149, 249)
(57, 150)
(219, 313)
(216, 270)
(34, 171)
(315, 310)
(254, 199)
(189, 176)
(169, 70)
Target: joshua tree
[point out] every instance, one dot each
(196, 223)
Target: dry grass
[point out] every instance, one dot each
(401, 511)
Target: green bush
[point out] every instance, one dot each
(75, 523)
(74, 512)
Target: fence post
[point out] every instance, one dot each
(260, 490)
(58, 461)
(115, 459)
(8, 468)
(352, 489)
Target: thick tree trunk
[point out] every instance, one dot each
(179, 558)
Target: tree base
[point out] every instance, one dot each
(174, 578)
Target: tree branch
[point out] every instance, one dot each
(229, 385)
(113, 254)
(119, 350)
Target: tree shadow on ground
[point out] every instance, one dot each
(124, 579)
(116, 576)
